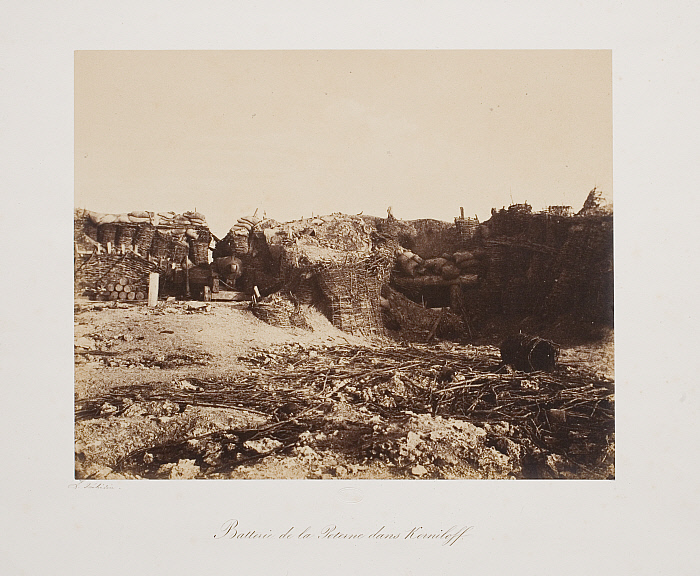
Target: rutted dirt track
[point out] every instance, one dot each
(187, 390)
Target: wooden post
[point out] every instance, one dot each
(456, 298)
(187, 281)
(153, 279)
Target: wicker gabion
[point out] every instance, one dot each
(241, 244)
(352, 293)
(466, 229)
(125, 235)
(275, 309)
(106, 233)
(199, 252)
(160, 246)
(143, 238)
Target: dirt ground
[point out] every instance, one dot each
(194, 390)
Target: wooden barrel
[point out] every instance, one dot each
(529, 353)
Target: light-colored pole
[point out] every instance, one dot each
(153, 279)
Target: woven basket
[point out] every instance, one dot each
(165, 247)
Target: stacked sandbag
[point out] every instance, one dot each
(141, 217)
(97, 218)
(196, 219)
(177, 224)
(469, 262)
(180, 236)
(186, 231)
(410, 263)
(447, 266)
(245, 225)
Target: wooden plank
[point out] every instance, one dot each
(228, 295)
(524, 245)
(464, 280)
(153, 280)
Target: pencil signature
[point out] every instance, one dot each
(92, 485)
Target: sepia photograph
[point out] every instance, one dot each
(343, 264)
(346, 292)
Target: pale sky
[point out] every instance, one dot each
(296, 133)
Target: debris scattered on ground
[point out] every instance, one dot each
(443, 411)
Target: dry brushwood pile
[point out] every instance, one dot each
(429, 411)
